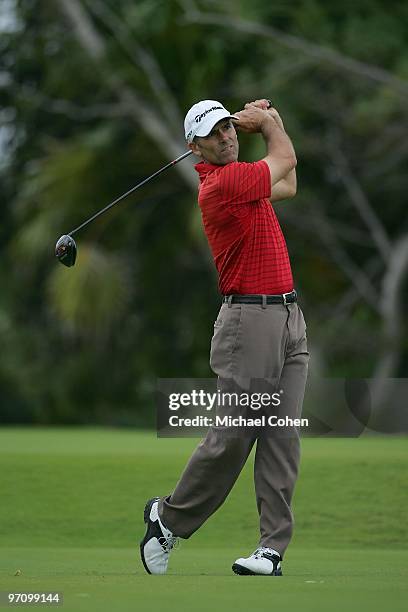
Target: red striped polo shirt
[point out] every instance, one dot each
(244, 235)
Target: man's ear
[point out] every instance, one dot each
(195, 148)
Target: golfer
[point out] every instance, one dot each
(259, 336)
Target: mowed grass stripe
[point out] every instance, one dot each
(71, 520)
(112, 579)
(87, 488)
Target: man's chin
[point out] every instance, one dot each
(228, 157)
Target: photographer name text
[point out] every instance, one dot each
(239, 421)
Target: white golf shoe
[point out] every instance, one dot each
(263, 562)
(158, 542)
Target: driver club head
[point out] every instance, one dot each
(65, 250)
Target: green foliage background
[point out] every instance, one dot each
(86, 344)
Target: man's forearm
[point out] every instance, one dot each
(285, 188)
(277, 141)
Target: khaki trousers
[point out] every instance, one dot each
(253, 347)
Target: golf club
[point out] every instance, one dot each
(66, 250)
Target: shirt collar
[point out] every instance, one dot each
(204, 169)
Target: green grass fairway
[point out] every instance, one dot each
(71, 519)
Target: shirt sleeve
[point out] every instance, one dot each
(241, 182)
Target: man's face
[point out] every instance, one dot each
(220, 147)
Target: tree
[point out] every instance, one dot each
(94, 96)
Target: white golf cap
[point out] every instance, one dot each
(202, 117)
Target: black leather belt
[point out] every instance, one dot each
(284, 298)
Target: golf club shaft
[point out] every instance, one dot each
(128, 193)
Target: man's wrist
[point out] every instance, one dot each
(267, 123)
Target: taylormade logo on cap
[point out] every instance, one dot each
(202, 117)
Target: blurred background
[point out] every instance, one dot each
(92, 99)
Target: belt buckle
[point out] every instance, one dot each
(285, 302)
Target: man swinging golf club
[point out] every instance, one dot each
(259, 335)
